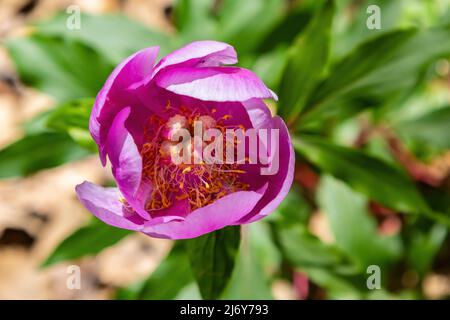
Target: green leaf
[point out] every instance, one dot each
(438, 199)
(63, 68)
(190, 292)
(263, 247)
(38, 124)
(379, 70)
(234, 17)
(294, 209)
(83, 138)
(346, 209)
(431, 128)
(73, 118)
(86, 241)
(373, 177)
(424, 245)
(356, 30)
(382, 294)
(269, 67)
(336, 286)
(194, 19)
(300, 247)
(306, 62)
(303, 249)
(113, 36)
(289, 26)
(384, 62)
(172, 275)
(74, 114)
(38, 151)
(255, 263)
(212, 258)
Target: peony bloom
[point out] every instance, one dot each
(143, 105)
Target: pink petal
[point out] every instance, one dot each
(214, 83)
(112, 95)
(126, 163)
(219, 214)
(199, 54)
(259, 113)
(104, 204)
(280, 183)
(123, 153)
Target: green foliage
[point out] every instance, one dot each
(74, 114)
(364, 173)
(194, 20)
(337, 287)
(377, 71)
(304, 249)
(431, 128)
(307, 62)
(86, 241)
(269, 66)
(212, 258)
(234, 17)
(346, 209)
(73, 118)
(37, 152)
(171, 276)
(348, 33)
(424, 245)
(61, 67)
(294, 237)
(53, 138)
(107, 34)
(256, 263)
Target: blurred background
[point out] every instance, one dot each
(381, 93)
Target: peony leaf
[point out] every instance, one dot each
(234, 17)
(108, 34)
(65, 69)
(300, 247)
(86, 241)
(194, 19)
(345, 209)
(378, 71)
(371, 176)
(212, 258)
(424, 246)
(169, 278)
(256, 262)
(306, 63)
(73, 118)
(431, 128)
(38, 151)
(375, 178)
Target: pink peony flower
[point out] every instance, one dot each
(141, 109)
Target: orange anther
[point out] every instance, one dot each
(188, 169)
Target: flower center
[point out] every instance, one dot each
(198, 181)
